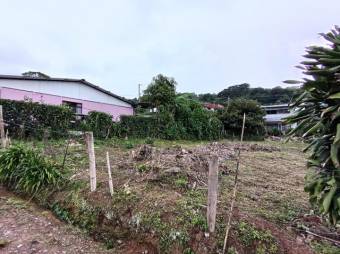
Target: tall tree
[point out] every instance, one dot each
(160, 92)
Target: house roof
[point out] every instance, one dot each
(212, 105)
(275, 106)
(83, 81)
(275, 118)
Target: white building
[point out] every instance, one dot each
(275, 115)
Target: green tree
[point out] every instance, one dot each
(236, 91)
(161, 91)
(232, 118)
(318, 118)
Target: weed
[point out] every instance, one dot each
(232, 250)
(129, 145)
(324, 248)
(149, 141)
(124, 197)
(181, 182)
(143, 168)
(61, 213)
(168, 235)
(248, 234)
(188, 251)
(190, 213)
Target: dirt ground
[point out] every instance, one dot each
(159, 199)
(27, 229)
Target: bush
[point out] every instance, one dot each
(186, 119)
(139, 127)
(25, 170)
(100, 123)
(318, 118)
(232, 118)
(30, 119)
(274, 132)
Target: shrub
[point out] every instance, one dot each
(139, 126)
(232, 118)
(100, 123)
(25, 170)
(274, 132)
(149, 141)
(318, 118)
(30, 119)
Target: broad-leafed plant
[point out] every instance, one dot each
(317, 115)
(26, 170)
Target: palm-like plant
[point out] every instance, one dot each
(317, 114)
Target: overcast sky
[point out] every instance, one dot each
(205, 45)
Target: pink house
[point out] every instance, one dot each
(81, 95)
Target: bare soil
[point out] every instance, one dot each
(27, 229)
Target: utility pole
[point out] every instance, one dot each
(139, 85)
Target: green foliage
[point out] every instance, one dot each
(161, 91)
(30, 119)
(274, 132)
(25, 170)
(232, 118)
(317, 114)
(185, 119)
(100, 123)
(181, 182)
(129, 144)
(249, 235)
(265, 96)
(139, 126)
(143, 168)
(324, 248)
(149, 141)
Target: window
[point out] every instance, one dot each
(75, 107)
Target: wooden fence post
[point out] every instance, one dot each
(92, 159)
(109, 172)
(212, 193)
(2, 129)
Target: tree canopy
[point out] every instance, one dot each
(263, 96)
(160, 92)
(232, 117)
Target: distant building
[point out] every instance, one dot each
(212, 106)
(275, 115)
(79, 94)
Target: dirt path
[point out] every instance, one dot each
(25, 228)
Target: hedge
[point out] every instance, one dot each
(30, 119)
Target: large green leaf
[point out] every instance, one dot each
(317, 114)
(328, 198)
(337, 136)
(335, 96)
(335, 154)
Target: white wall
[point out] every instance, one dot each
(75, 90)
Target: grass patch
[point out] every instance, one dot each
(263, 241)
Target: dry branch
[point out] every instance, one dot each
(235, 189)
